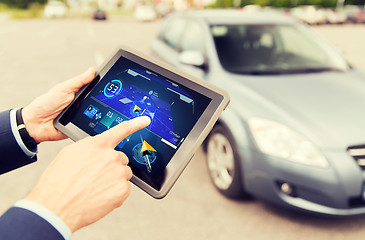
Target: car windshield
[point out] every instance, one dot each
(274, 49)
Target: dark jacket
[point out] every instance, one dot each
(18, 223)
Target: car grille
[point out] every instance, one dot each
(358, 153)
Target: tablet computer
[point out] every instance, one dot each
(182, 110)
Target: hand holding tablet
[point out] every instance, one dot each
(80, 186)
(182, 111)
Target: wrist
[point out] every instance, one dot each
(27, 139)
(29, 123)
(47, 215)
(54, 206)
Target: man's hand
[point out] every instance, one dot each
(88, 179)
(38, 116)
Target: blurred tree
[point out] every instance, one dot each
(263, 2)
(308, 2)
(222, 4)
(282, 3)
(355, 2)
(247, 2)
(329, 3)
(22, 3)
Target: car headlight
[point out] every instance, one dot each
(279, 140)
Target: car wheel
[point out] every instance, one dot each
(223, 163)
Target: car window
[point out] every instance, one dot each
(172, 32)
(274, 49)
(192, 38)
(308, 49)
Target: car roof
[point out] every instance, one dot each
(230, 16)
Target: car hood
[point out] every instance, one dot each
(327, 107)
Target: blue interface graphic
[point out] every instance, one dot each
(113, 88)
(133, 102)
(91, 111)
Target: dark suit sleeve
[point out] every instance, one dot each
(21, 224)
(11, 155)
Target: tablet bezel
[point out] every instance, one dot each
(219, 101)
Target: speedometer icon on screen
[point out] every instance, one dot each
(112, 88)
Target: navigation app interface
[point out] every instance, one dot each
(130, 90)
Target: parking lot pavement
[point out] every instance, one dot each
(36, 54)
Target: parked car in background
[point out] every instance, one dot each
(293, 134)
(309, 14)
(55, 9)
(354, 14)
(335, 16)
(99, 14)
(145, 13)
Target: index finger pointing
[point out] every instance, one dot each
(116, 134)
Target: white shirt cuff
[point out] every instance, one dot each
(47, 215)
(14, 129)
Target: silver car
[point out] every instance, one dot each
(294, 133)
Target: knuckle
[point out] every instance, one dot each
(118, 202)
(112, 158)
(118, 157)
(124, 189)
(115, 156)
(125, 159)
(127, 173)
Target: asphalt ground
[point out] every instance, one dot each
(37, 54)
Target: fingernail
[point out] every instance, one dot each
(146, 119)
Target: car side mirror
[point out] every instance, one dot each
(193, 58)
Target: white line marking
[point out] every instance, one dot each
(168, 143)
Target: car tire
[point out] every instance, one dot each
(223, 163)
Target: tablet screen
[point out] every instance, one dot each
(129, 90)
